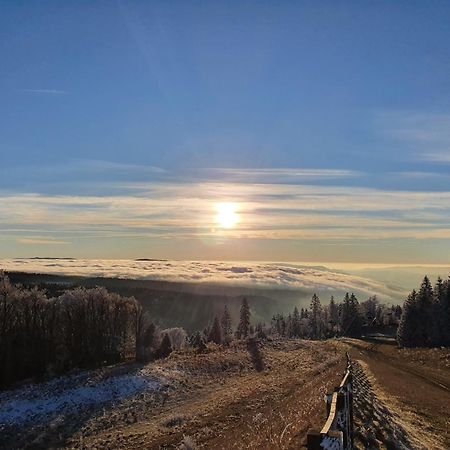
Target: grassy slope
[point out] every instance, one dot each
(221, 402)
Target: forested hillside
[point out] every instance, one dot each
(425, 320)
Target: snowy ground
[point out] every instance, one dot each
(73, 396)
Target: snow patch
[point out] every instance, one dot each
(67, 395)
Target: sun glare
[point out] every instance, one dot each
(226, 215)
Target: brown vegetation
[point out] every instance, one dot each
(80, 328)
(218, 400)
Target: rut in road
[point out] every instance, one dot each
(375, 426)
(374, 352)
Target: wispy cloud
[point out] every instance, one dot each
(45, 91)
(417, 174)
(277, 175)
(38, 241)
(428, 134)
(442, 157)
(96, 164)
(268, 211)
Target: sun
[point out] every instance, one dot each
(226, 215)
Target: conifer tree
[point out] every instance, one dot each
(345, 314)
(289, 328)
(296, 323)
(334, 315)
(259, 331)
(197, 342)
(445, 313)
(407, 333)
(425, 306)
(425, 320)
(351, 321)
(165, 349)
(283, 326)
(356, 323)
(225, 322)
(243, 329)
(438, 318)
(278, 325)
(315, 318)
(215, 334)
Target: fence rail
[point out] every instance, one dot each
(337, 433)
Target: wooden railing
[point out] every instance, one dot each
(337, 433)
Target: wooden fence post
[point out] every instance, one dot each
(337, 433)
(314, 439)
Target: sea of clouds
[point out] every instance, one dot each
(246, 274)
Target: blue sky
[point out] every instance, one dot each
(327, 123)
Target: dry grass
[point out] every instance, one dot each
(218, 400)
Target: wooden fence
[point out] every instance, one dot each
(337, 433)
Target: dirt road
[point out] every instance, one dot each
(405, 396)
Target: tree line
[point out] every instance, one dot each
(82, 328)
(345, 318)
(425, 320)
(90, 327)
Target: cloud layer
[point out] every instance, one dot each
(273, 275)
(114, 210)
(267, 211)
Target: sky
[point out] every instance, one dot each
(326, 126)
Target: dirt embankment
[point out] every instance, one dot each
(402, 396)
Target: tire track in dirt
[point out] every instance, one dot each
(376, 427)
(376, 354)
(419, 403)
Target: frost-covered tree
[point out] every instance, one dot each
(196, 341)
(278, 325)
(177, 336)
(165, 349)
(289, 327)
(260, 331)
(351, 321)
(81, 328)
(369, 310)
